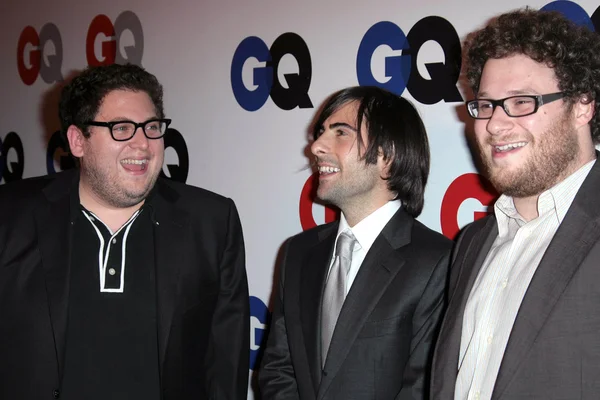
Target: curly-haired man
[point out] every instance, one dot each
(523, 317)
(116, 283)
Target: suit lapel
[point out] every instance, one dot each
(53, 224)
(446, 356)
(312, 284)
(379, 268)
(579, 231)
(170, 248)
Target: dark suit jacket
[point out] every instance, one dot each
(382, 342)
(202, 292)
(553, 351)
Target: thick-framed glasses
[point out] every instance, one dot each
(122, 131)
(513, 106)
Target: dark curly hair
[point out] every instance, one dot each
(546, 37)
(395, 128)
(83, 96)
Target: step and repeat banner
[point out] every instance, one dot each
(243, 81)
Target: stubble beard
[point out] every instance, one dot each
(352, 193)
(113, 192)
(551, 160)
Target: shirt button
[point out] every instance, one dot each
(56, 393)
(504, 283)
(92, 219)
(112, 271)
(114, 241)
(489, 339)
(477, 395)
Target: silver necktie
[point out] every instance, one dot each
(335, 289)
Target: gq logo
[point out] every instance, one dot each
(12, 158)
(175, 143)
(111, 40)
(40, 54)
(177, 161)
(259, 320)
(468, 188)
(400, 60)
(307, 197)
(265, 77)
(57, 154)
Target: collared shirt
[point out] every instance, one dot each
(501, 284)
(111, 347)
(365, 232)
(112, 252)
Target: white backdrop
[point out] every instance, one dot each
(258, 157)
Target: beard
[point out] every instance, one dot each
(354, 188)
(108, 187)
(551, 159)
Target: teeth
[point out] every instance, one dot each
(510, 146)
(328, 170)
(129, 161)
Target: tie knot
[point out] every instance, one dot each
(345, 245)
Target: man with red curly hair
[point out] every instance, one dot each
(523, 317)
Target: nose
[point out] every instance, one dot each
(499, 122)
(320, 146)
(139, 139)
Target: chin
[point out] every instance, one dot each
(135, 198)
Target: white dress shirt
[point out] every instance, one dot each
(365, 232)
(501, 284)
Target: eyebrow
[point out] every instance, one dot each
(125, 119)
(342, 125)
(525, 91)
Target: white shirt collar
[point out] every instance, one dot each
(367, 230)
(557, 199)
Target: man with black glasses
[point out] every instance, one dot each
(116, 283)
(523, 319)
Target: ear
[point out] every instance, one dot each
(583, 110)
(383, 164)
(76, 141)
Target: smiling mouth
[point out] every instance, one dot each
(508, 147)
(135, 165)
(323, 170)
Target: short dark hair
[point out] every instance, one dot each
(81, 99)
(395, 128)
(547, 37)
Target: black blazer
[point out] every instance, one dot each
(202, 290)
(553, 351)
(382, 344)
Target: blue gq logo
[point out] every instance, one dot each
(265, 79)
(401, 69)
(575, 13)
(259, 320)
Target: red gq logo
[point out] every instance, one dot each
(306, 205)
(35, 57)
(110, 49)
(467, 186)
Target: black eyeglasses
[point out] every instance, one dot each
(513, 106)
(122, 131)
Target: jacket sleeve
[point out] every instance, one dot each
(426, 322)
(276, 376)
(228, 363)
